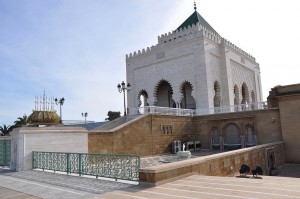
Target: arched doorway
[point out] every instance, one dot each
(164, 94)
(232, 139)
(187, 102)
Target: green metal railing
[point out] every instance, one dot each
(5, 152)
(125, 167)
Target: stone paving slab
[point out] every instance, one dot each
(213, 187)
(53, 185)
(207, 187)
(11, 194)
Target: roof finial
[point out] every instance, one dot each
(195, 7)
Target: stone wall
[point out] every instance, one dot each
(153, 134)
(287, 99)
(150, 135)
(290, 124)
(222, 164)
(266, 125)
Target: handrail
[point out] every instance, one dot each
(196, 112)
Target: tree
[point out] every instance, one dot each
(5, 130)
(21, 121)
(112, 115)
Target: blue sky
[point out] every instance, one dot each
(76, 48)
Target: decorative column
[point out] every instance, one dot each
(221, 141)
(255, 140)
(243, 145)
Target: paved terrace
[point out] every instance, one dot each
(168, 158)
(37, 184)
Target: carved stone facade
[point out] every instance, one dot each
(193, 67)
(233, 133)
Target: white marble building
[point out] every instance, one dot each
(192, 67)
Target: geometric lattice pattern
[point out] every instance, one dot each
(125, 167)
(5, 152)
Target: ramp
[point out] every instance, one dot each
(117, 123)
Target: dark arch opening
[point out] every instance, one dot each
(164, 94)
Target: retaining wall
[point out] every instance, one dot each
(221, 164)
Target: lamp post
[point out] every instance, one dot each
(60, 102)
(84, 115)
(123, 88)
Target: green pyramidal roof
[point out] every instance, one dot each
(194, 19)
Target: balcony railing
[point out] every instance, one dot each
(195, 112)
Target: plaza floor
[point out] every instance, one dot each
(38, 184)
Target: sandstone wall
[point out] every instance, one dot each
(153, 134)
(290, 123)
(266, 125)
(147, 136)
(222, 164)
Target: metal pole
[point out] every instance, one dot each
(124, 103)
(60, 112)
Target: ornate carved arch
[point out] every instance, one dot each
(156, 90)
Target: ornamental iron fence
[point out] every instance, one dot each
(124, 167)
(5, 152)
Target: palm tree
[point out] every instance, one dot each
(5, 130)
(22, 121)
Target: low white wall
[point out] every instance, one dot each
(47, 139)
